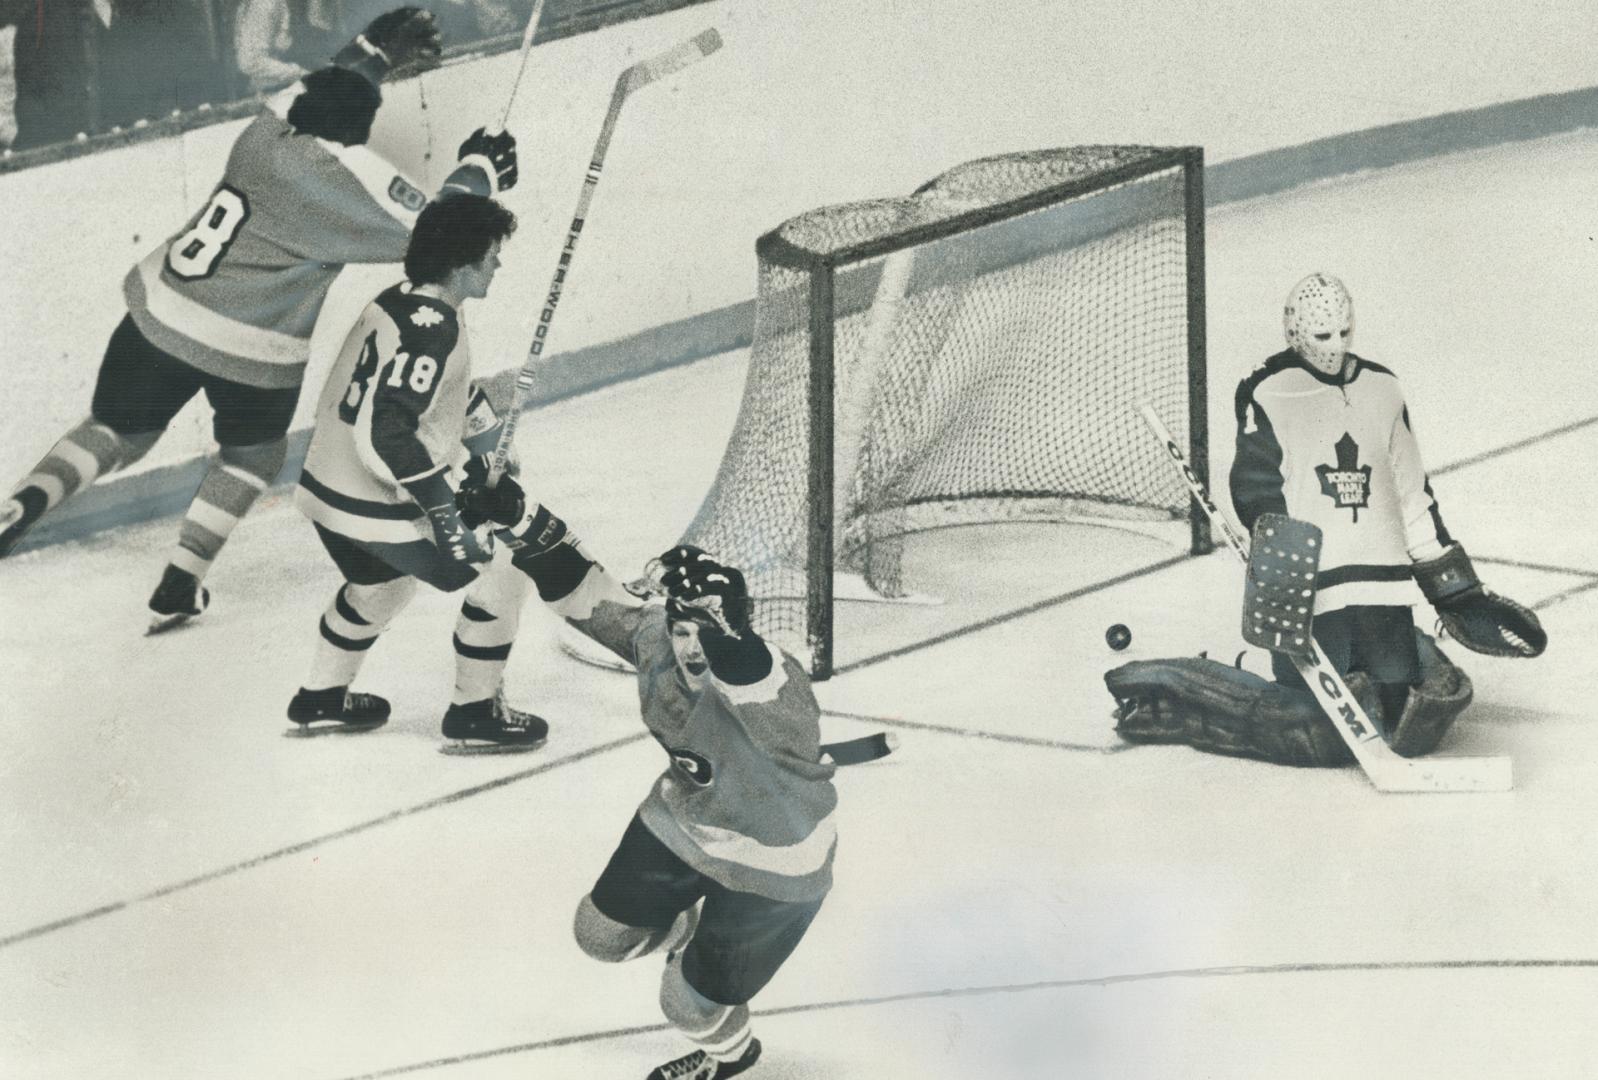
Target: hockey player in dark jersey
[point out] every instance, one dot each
(1324, 438)
(228, 303)
(729, 857)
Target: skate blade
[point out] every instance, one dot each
(311, 731)
(462, 748)
(161, 624)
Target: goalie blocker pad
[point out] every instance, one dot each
(1279, 591)
(1474, 616)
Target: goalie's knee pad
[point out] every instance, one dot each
(603, 938)
(1433, 706)
(1224, 710)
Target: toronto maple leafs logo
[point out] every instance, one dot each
(1348, 483)
(426, 316)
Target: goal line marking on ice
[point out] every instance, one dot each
(317, 841)
(978, 733)
(1017, 613)
(1226, 971)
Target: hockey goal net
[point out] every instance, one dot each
(971, 353)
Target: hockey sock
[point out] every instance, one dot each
(229, 489)
(485, 631)
(350, 626)
(74, 462)
(721, 1031)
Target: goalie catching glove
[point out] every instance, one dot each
(1477, 618)
(396, 44)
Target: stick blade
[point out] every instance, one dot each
(672, 60)
(1445, 774)
(860, 751)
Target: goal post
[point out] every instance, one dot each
(967, 354)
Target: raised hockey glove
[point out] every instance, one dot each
(396, 44)
(696, 584)
(452, 535)
(503, 504)
(494, 154)
(1472, 615)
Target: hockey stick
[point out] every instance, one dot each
(521, 67)
(1386, 769)
(859, 751)
(630, 81)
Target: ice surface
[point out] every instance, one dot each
(185, 893)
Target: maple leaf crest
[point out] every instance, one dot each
(1348, 483)
(426, 316)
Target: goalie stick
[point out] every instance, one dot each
(1386, 770)
(630, 81)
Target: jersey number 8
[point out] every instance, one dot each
(196, 253)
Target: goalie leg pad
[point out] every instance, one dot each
(1432, 707)
(1279, 590)
(1225, 710)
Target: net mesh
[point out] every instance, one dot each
(988, 375)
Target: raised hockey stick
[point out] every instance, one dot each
(521, 66)
(628, 83)
(1387, 770)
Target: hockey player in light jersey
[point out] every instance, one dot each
(1324, 437)
(392, 427)
(228, 303)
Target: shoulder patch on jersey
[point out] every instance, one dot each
(427, 316)
(406, 194)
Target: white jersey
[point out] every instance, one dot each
(1340, 455)
(393, 411)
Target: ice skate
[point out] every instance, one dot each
(179, 598)
(17, 515)
(492, 727)
(701, 1066)
(335, 711)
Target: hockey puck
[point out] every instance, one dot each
(1118, 637)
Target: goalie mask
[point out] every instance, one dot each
(1319, 322)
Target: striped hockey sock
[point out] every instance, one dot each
(485, 632)
(351, 625)
(231, 486)
(74, 462)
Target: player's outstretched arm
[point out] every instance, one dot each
(697, 583)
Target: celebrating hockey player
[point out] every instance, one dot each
(227, 305)
(729, 857)
(1328, 476)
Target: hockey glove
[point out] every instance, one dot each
(697, 583)
(394, 45)
(494, 154)
(503, 504)
(452, 535)
(1477, 618)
